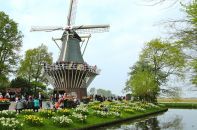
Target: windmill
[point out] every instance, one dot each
(70, 74)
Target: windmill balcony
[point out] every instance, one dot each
(72, 66)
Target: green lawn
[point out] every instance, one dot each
(185, 105)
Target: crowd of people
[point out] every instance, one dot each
(63, 100)
(57, 101)
(103, 98)
(32, 103)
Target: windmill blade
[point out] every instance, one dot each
(87, 29)
(72, 12)
(85, 36)
(46, 28)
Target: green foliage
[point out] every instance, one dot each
(106, 93)
(19, 83)
(188, 36)
(32, 65)
(10, 44)
(158, 61)
(23, 84)
(4, 82)
(142, 82)
(180, 105)
(164, 56)
(191, 11)
(194, 77)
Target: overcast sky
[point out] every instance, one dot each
(132, 24)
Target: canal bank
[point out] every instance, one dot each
(180, 105)
(122, 120)
(173, 119)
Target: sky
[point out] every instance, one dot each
(132, 24)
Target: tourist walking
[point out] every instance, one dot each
(36, 104)
(19, 106)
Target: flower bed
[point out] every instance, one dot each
(65, 112)
(4, 104)
(82, 109)
(82, 116)
(79, 117)
(61, 121)
(46, 113)
(10, 124)
(33, 120)
(7, 113)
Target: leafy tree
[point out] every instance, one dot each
(4, 82)
(103, 92)
(10, 44)
(23, 84)
(32, 65)
(194, 77)
(188, 36)
(164, 57)
(157, 62)
(142, 82)
(184, 31)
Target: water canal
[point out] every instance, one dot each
(173, 119)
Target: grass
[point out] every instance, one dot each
(92, 120)
(183, 100)
(183, 105)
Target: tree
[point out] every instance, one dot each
(142, 82)
(32, 65)
(188, 36)
(184, 31)
(164, 57)
(23, 84)
(194, 77)
(10, 44)
(106, 93)
(157, 62)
